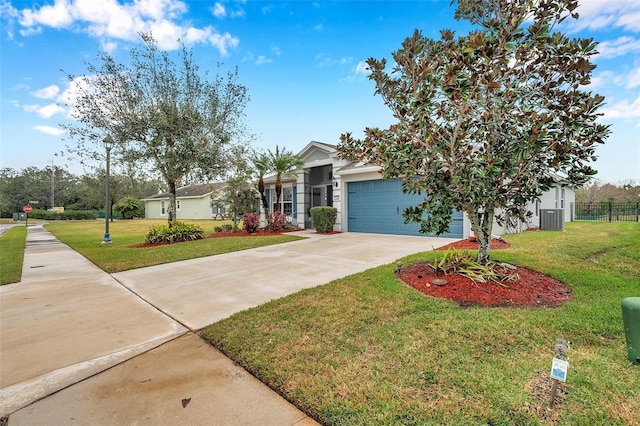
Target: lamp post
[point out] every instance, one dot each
(108, 143)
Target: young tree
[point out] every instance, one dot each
(129, 208)
(238, 195)
(485, 120)
(262, 167)
(284, 163)
(160, 114)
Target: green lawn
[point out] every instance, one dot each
(11, 254)
(368, 349)
(86, 238)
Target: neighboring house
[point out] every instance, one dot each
(368, 203)
(192, 202)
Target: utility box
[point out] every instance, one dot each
(631, 320)
(551, 219)
(19, 217)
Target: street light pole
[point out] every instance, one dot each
(108, 143)
(53, 175)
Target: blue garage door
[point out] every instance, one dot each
(376, 206)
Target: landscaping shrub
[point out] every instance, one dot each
(129, 208)
(276, 221)
(251, 222)
(179, 231)
(66, 215)
(323, 218)
(461, 262)
(290, 226)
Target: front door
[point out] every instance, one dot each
(322, 195)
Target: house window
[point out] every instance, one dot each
(286, 201)
(562, 198)
(557, 197)
(177, 204)
(163, 210)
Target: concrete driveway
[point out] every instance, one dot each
(199, 292)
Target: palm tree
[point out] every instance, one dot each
(284, 163)
(263, 166)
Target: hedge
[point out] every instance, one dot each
(66, 215)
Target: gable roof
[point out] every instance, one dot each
(315, 146)
(191, 191)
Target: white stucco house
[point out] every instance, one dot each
(192, 202)
(368, 203)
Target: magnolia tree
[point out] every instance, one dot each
(161, 114)
(485, 121)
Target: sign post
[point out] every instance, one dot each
(559, 368)
(27, 209)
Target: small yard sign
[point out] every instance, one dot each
(559, 369)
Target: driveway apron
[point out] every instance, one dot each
(202, 291)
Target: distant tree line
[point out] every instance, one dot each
(86, 192)
(598, 192)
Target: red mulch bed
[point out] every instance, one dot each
(531, 289)
(472, 244)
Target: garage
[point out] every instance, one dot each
(376, 206)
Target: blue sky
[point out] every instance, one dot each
(302, 61)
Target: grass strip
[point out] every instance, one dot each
(86, 238)
(12, 244)
(368, 349)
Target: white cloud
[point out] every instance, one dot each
(218, 10)
(318, 27)
(276, 50)
(623, 109)
(263, 60)
(362, 68)
(46, 111)
(633, 79)
(49, 92)
(223, 41)
(628, 80)
(74, 90)
(108, 46)
(600, 14)
(326, 61)
(111, 21)
(31, 31)
(49, 130)
(239, 13)
(619, 47)
(58, 15)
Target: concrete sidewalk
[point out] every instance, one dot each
(77, 347)
(120, 349)
(66, 321)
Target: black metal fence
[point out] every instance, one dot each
(606, 212)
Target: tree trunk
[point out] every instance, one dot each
(278, 193)
(481, 224)
(263, 197)
(171, 210)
